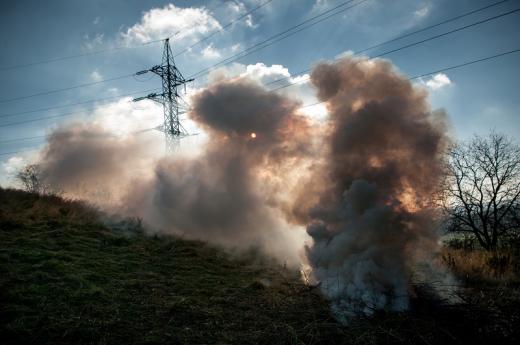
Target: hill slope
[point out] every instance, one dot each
(66, 278)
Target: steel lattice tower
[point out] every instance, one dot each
(172, 102)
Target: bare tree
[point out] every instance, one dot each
(31, 178)
(483, 188)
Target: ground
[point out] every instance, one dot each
(71, 275)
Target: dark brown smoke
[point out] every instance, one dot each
(382, 166)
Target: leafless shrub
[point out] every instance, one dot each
(30, 178)
(482, 192)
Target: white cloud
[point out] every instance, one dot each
(265, 74)
(438, 81)
(235, 6)
(249, 21)
(210, 53)
(96, 20)
(9, 169)
(94, 42)
(258, 72)
(13, 165)
(96, 76)
(240, 8)
(124, 117)
(319, 6)
(159, 23)
(422, 12)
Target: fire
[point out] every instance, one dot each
(409, 201)
(253, 135)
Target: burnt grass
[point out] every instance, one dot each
(66, 278)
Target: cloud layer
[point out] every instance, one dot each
(159, 23)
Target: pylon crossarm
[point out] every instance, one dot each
(153, 96)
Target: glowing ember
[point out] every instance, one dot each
(253, 135)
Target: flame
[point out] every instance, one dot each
(409, 201)
(253, 135)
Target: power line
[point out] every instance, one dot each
(19, 151)
(23, 139)
(226, 61)
(64, 89)
(309, 105)
(287, 33)
(223, 28)
(130, 75)
(44, 118)
(450, 32)
(407, 45)
(78, 103)
(385, 53)
(411, 78)
(266, 42)
(41, 118)
(464, 64)
(34, 148)
(46, 135)
(306, 70)
(434, 25)
(111, 49)
(68, 57)
(408, 34)
(118, 48)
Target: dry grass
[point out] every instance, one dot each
(66, 278)
(21, 207)
(501, 267)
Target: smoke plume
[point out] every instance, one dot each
(225, 195)
(360, 183)
(382, 166)
(89, 162)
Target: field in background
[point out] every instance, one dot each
(68, 278)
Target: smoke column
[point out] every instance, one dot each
(361, 183)
(383, 164)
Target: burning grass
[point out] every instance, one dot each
(66, 278)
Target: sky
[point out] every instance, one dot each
(477, 98)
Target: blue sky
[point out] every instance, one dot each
(477, 98)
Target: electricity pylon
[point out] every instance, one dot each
(173, 104)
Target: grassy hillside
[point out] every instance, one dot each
(65, 278)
